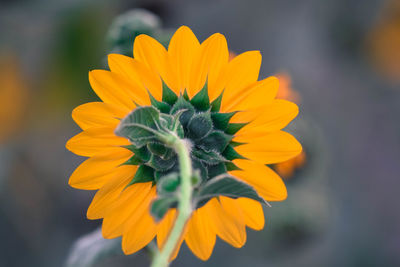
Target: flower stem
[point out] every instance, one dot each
(180, 146)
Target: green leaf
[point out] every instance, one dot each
(209, 157)
(157, 148)
(185, 95)
(215, 141)
(140, 125)
(182, 104)
(168, 95)
(199, 125)
(216, 170)
(168, 184)
(141, 155)
(221, 120)
(200, 169)
(160, 164)
(230, 166)
(231, 154)
(161, 205)
(234, 128)
(216, 104)
(229, 186)
(161, 106)
(143, 174)
(201, 100)
(134, 160)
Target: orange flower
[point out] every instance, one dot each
(244, 134)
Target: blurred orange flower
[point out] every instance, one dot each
(287, 168)
(383, 42)
(13, 96)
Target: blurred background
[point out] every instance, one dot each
(339, 60)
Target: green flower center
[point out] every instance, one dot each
(209, 131)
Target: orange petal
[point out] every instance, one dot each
(252, 211)
(111, 88)
(259, 94)
(105, 198)
(211, 58)
(227, 221)
(150, 52)
(95, 140)
(131, 202)
(241, 72)
(165, 227)
(140, 229)
(182, 49)
(266, 182)
(138, 73)
(200, 237)
(270, 148)
(92, 173)
(139, 232)
(271, 118)
(97, 114)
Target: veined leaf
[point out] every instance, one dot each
(227, 185)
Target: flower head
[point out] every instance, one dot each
(231, 120)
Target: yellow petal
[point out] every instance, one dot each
(138, 73)
(150, 52)
(165, 227)
(241, 72)
(132, 202)
(227, 221)
(140, 229)
(92, 173)
(259, 94)
(252, 213)
(272, 117)
(200, 237)
(95, 140)
(270, 148)
(96, 114)
(111, 88)
(182, 49)
(105, 198)
(139, 232)
(266, 182)
(209, 61)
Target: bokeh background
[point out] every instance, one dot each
(340, 60)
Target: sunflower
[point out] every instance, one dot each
(231, 120)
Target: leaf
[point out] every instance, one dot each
(160, 164)
(216, 104)
(168, 95)
(161, 205)
(231, 154)
(157, 148)
(209, 157)
(143, 174)
(230, 166)
(140, 125)
(229, 186)
(216, 170)
(161, 106)
(221, 120)
(234, 127)
(199, 125)
(182, 104)
(215, 141)
(201, 100)
(168, 184)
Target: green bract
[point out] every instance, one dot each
(209, 135)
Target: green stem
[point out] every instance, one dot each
(161, 259)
